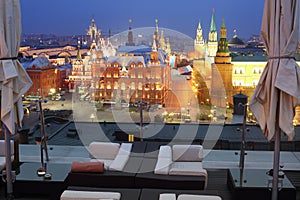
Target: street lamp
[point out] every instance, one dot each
(141, 104)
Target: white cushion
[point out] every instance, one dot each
(167, 196)
(187, 168)
(89, 195)
(165, 152)
(163, 166)
(197, 197)
(107, 163)
(119, 163)
(125, 149)
(104, 150)
(187, 153)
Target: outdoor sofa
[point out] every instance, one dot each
(174, 167)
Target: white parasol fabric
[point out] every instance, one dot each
(14, 81)
(278, 91)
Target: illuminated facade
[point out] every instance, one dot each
(133, 73)
(44, 77)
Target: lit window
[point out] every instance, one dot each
(116, 85)
(116, 64)
(108, 85)
(140, 87)
(133, 86)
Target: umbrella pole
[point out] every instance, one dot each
(243, 145)
(276, 163)
(9, 186)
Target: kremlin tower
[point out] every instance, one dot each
(221, 93)
(212, 37)
(199, 42)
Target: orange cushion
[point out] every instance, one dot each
(87, 167)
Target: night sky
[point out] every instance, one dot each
(70, 17)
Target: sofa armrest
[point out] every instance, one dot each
(167, 196)
(125, 149)
(119, 163)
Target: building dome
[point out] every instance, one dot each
(235, 42)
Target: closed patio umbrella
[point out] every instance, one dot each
(278, 91)
(14, 81)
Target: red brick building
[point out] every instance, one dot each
(44, 77)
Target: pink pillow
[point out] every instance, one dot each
(87, 167)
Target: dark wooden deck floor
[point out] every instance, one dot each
(217, 184)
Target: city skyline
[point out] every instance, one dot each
(72, 17)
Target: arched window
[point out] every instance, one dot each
(140, 87)
(140, 64)
(108, 85)
(116, 85)
(116, 64)
(132, 64)
(133, 86)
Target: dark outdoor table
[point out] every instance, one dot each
(28, 182)
(257, 184)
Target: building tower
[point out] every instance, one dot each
(78, 56)
(212, 37)
(156, 36)
(221, 94)
(130, 35)
(199, 42)
(168, 46)
(162, 41)
(94, 33)
(77, 70)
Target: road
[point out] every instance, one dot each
(182, 98)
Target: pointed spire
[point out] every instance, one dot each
(154, 45)
(222, 44)
(199, 36)
(223, 24)
(78, 57)
(156, 37)
(223, 31)
(162, 41)
(213, 24)
(199, 26)
(156, 26)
